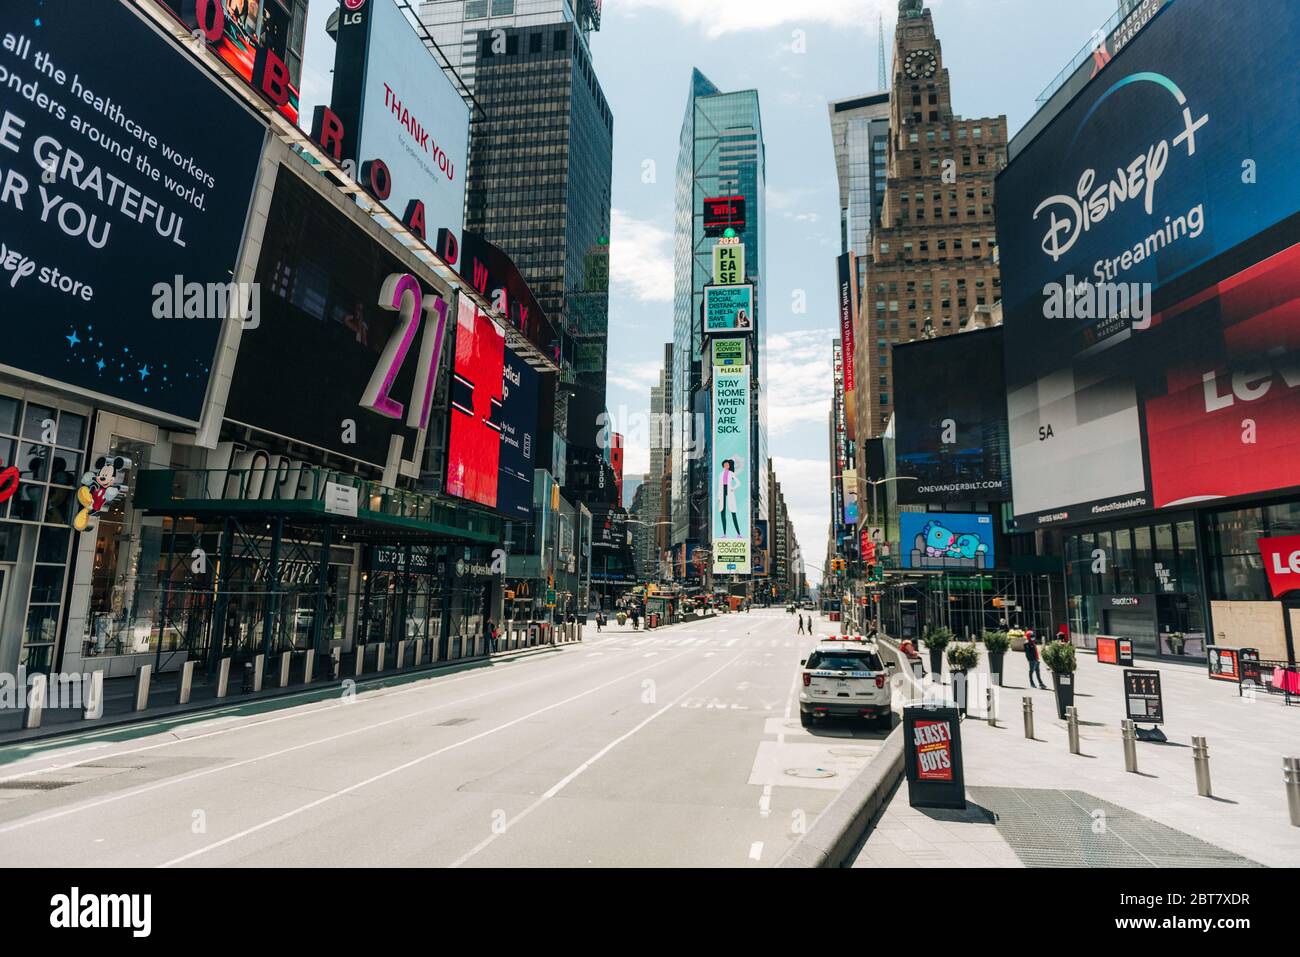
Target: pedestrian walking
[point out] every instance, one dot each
(490, 631)
(1035, 664)
(600, 621)
(801, 624)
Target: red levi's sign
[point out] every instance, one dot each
(1282, 563)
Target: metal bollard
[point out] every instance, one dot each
(142, 687)
(37, 695)
(1129, 732)
(401, 654)
(1201, 758)
(1027, 706)
(1291, 775)
(259, 665)
(988, 708)
(285, 658)
(379, 656)
(309, 665)
(187, 682)
(1072, 726)
(94, 702)
(419, 652)
(361, 660)
(223, 678)
(336, 663)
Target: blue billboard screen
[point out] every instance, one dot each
(946, 540)
(1149, 247)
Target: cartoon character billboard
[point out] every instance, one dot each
(947, 540)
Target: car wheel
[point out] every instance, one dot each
(805, 719)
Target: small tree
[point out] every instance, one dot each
(937, 638)
(1059, 657)
(997, 641)
(963, 657)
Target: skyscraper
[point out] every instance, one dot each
(860, 137)
(720, 154)
(931, 260)
(456, 24)
(538, 187)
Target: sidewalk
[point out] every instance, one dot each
(1033, 803)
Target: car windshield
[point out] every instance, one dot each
(842, 661)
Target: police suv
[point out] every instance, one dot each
(845, 676)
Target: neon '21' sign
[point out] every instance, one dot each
(8, 482)
(401, 294)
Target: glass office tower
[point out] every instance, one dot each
(721, 153)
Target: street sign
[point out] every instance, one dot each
(728, 309)
(1142, 697)
(729, 264)
(932, 757)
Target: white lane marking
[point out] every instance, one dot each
(364, 697)
(756, 851)
(401, 767)
(146, 789)
(650, 654)
(572, 775)
(765, 802)
(729, 642)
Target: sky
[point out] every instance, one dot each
(799, 56)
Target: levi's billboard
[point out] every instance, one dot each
(1151, 275)
(1281, 563)
(403, 123)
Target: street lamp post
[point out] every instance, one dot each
(875, 517)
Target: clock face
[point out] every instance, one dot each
(920, 63)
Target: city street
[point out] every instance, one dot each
(680, 747)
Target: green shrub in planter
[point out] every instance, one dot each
(996, 641)
(963, 657)
(1059, 657)
(938, 638)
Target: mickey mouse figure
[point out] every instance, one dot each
(100, 488)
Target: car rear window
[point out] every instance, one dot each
(844, 661)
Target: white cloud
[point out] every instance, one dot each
(798, 379)
(718, 19)
(806, 485)
(640, 258)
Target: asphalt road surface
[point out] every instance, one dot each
(679, 747)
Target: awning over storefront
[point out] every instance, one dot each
(311, 496)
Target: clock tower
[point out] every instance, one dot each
(931, 266)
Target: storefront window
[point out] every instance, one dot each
(1143, 569)
(1125, 583)
(1105, 579)
(1284, 519)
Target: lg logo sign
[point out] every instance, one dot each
(1281, 562)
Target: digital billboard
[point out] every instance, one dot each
(121, 214)
(847, 277)
(491, 444)
(250, 38)
(404, 123)
(729, 308)
(723, 212)
(324, 332)
(759, 551)
(946, 540)
(1149, 279)
(950, 419)
(731, 471)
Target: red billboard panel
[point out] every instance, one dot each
(474, 445)
(721, 212)
(1281, 562)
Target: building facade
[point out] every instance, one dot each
(931, 259)
(720, 153)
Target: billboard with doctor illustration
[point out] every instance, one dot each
(731, 471)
